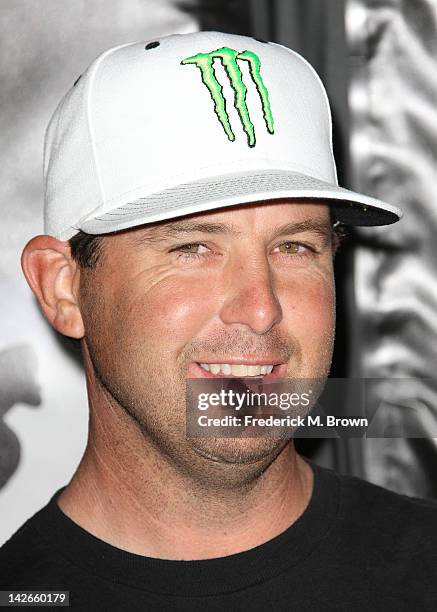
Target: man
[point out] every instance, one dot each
(190, 201)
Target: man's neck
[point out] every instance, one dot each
(137, 501)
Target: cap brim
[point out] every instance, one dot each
(349, 207)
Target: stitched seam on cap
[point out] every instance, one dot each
(90, 122)
(325, 95)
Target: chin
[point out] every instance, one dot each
(239, 451)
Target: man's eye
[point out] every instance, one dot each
(192, 248)
(293, 248)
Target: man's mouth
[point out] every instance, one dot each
(237, 370)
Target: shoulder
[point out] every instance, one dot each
(401, 526)
(359, 492)
(27, 560)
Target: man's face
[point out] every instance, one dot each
(245, 286)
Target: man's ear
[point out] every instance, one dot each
(53, 276)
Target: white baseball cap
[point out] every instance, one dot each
(188, 123)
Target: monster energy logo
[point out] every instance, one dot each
(228, 58)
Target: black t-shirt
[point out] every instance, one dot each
(356, 547)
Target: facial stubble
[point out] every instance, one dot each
(153, 394)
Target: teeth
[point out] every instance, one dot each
(236, 369)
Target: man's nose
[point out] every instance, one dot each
(250, 297)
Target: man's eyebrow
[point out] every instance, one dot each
(317, 226)
(181, 228)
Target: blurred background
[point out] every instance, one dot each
(378, 60)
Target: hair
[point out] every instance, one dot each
(86, 249)
(340, 233)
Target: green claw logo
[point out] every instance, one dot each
(228, 58)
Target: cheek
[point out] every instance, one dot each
(310, 309)
(171, 313)
(309, 316)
